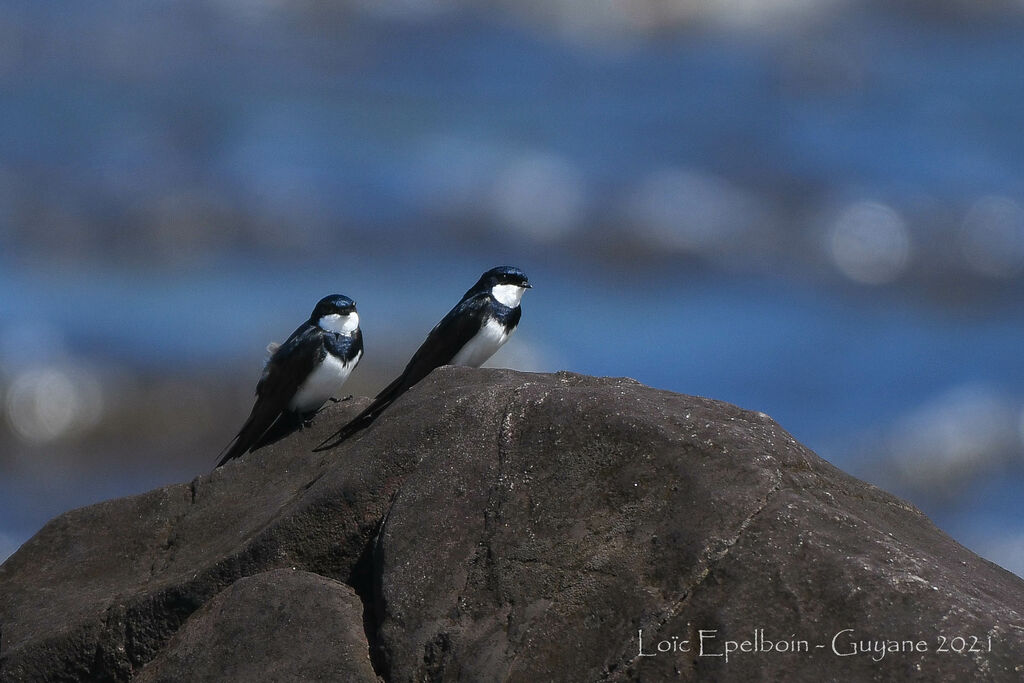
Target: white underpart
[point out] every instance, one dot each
(324, 382)
(340, 324)
(482, 346)
(508, 295)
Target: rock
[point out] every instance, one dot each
(270, 627)
(498, 525)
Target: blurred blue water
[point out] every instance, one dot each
(275, 117)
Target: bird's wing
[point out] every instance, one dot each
(442, 343)
(289, 365)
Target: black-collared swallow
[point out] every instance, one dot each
(303, 373)
(468, 335)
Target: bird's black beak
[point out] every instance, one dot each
(527, 285)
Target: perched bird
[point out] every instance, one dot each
(470, 334)
(302, 373)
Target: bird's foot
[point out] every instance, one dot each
(340, 400)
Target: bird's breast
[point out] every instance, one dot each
(483, 345)
(323, 382)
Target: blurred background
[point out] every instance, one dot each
(811, 209)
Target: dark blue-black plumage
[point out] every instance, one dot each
(483, 319)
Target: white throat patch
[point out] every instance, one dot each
(508, 295)
(340, 324)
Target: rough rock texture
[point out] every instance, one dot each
(497, 525)
(270, 627)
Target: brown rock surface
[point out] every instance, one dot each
(498, 525)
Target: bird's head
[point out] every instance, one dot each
(505, 283)
(336, 313)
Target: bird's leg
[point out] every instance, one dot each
(306, 420)
(324, 407)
